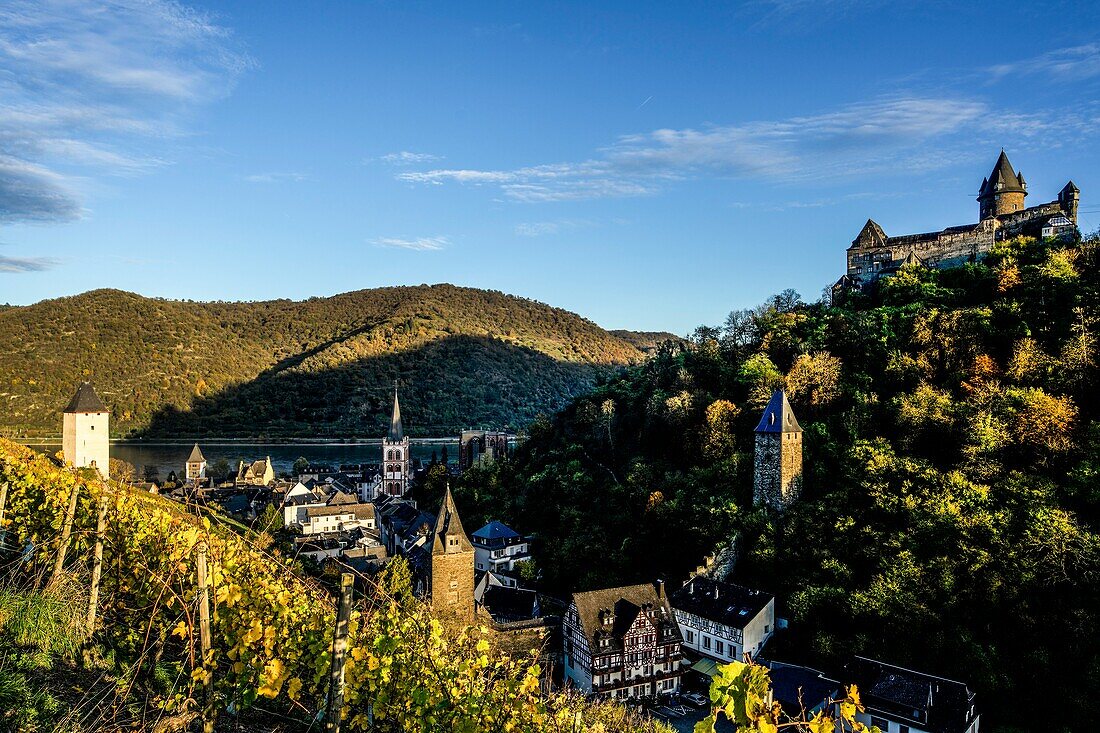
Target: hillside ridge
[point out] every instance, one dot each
(288, 368)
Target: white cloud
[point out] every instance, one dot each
(407, 158)
(1064, 64)
(275, 177)
(857, 140)
(421, 244)
(101, 88)
(11, 265)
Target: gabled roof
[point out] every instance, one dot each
(870, 235)
(778, 416)
(196, 455)
(509, 604)
(86, 400)
(397, 432)
(448, 526)
(625, 603)
(495, 530)
(724, 603)
(1071, 187)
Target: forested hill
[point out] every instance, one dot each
(324, 366)
(951, 509)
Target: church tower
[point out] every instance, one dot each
(395, 454)
(777, 461)
(1003, 192)
(452, 568)
(85, 432)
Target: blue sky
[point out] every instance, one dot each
(648, 165)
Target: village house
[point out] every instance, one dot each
(723, 621)
(195, 468)
(622, 643)
(257, 473)
(900, 700)
(498, 547)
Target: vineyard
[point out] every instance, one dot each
(116, 572)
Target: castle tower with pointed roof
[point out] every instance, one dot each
(1002, 215)
(395, 454)
(195, 469)
(777, 460)
(85, 431)
(452, 566)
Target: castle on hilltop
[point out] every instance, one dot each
(1001, 215)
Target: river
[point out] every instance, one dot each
(171, 456)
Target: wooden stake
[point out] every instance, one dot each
(204, 640)
(3, 503)
(66, 533)
(339, 653)
(97, 563)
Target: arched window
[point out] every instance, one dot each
(397, 455)
(389, 456)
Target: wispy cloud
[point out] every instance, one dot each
(1064, 64)
(90, 88)
(287, 177)
(408, 158)
(871, 138)
(542, 228)
(10, 265)
(421, 244)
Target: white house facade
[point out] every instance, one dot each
(723, 621)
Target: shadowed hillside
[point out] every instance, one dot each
(281, 368)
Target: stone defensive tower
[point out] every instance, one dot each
(196, 465)
(777, 461)
(1003, 191)
(452, 568)
(85, 432)
(395, 454)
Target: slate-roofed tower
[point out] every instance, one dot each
(85, 431)
(452, 566)
(196, 465)
(1003, 192)
(395, 454)
(777, 461)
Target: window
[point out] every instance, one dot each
(903, 729)
(690, 636)
(706, 642)
(881, 723)
(719, 647)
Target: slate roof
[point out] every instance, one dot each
(935, 704)
(86, 400)
(725, 603)
(196, 455)
(361, 511)
(1003, 174)
(495, 530)
(626, 603)
(794, 687)
(449, 525)
(509, 604)
(397, 432)
(778, 416)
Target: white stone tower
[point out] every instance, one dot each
(85, 436)
(196, 465)
(395, 455)
(777, 462)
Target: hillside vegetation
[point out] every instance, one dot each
(323, 366)
(950, 518)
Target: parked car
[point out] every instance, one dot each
(695, 699)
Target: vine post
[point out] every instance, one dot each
(204, 640)
(66, 535)
(339, 653)
(3, 503)
(97, 563)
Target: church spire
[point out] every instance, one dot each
(397, 433)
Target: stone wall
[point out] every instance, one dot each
(777, 469)
(452, 585)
